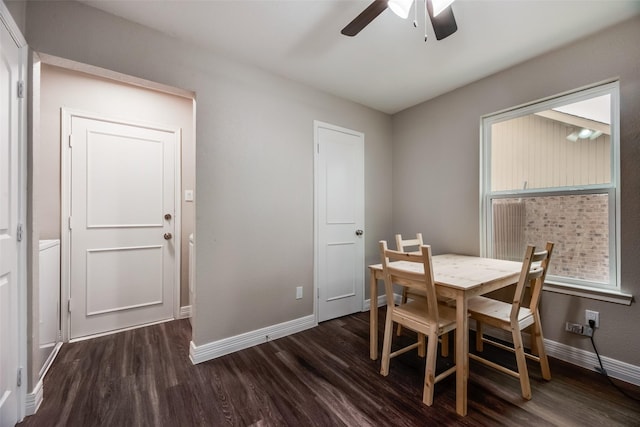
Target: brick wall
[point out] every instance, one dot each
(579, 227)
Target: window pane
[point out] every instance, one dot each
(577, 224)
(562, 147)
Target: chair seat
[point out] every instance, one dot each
(494, 309)
(415, 311)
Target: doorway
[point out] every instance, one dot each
(124, 105)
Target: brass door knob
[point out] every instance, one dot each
(167, 236)
(167, 216)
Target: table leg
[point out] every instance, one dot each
(462, 353)
(373, 315)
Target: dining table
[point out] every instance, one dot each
(458, 278)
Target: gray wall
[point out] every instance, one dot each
(254, 161)
(436, 169)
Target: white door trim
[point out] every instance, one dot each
(316, 202)
(65, 254)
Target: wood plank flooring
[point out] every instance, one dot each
(320, 377)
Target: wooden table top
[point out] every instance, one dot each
(462, 271)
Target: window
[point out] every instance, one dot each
(550, 172)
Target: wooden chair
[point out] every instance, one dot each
(404, 246)
(515, 317)
(424, 316)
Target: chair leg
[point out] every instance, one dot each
(402, 301)
(479, 343)
(542, 353)
(430, 369)
(534, 341)
(421, 344)
(444, 341)
(386, 346)
(525, 386)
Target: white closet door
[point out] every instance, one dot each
(339, 221)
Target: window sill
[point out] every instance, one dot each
(608, 295)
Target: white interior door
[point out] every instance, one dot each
(339, 193)
(9, 212)
(122, 220)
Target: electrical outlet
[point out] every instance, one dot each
(592, 315)
(577, 328)
(299, 292)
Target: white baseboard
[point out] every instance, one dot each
(34, 399)
(588, 360)
(585, 359)
(212, 350)
(382, 300)
(185, 311)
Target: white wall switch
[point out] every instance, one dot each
(299, 292)
(188, 195)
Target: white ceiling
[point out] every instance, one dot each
(388, 66)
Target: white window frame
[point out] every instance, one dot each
(611, 291)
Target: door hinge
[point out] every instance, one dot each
(69, 305)
(69, 223)
(318, 294)
(19, 380)
(19, 232)
(70, 140)
(20, 89)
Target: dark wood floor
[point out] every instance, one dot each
(320, 377)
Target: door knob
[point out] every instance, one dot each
(359, 232)
(167, 216)
(167, 236)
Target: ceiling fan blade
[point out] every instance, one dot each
(444, 24)
(365, 18)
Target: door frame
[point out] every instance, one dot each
(21, 279)
(66, 115)
(316, 215)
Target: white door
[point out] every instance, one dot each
(122, 225)
(339, 198)
(9, 211)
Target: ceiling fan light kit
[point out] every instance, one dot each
(439, 12)
(400, 7)
(439, 6)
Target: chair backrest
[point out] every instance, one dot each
(415, 273)
(542, 257)
(533, 275)
(403, 245)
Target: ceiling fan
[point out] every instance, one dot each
(440, 14)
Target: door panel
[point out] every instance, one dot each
(122, 185)
(118, 194)
(9, 211)
(110, 273)
(340, 271)
(339, 214)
